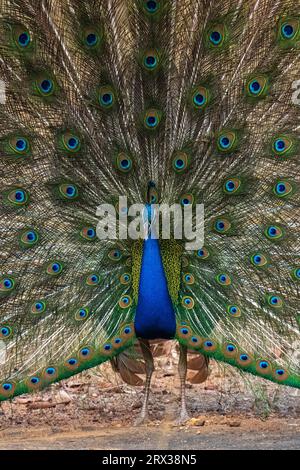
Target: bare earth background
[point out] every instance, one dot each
(95, 410)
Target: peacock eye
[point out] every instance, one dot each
(203, 253)
(222, 225)
(72, 361)
(283, 189)
(5, 332)
(188, 302)
(82, 314)
(152, 6)
(152, 119)
(184, 331)
(123, 162)
(34, 380)
(45, 86)
(200, 97)
(38, 307)
(18, 197)
(92, 39)
(288, 31)
(93, 280)
(50, 371)
(263, 367)
(274, 232)
(283, 146)
(216, 36)
(296, 274)
(257, 86)
(7, 387)
(29, 238)
(115, 255)
(279, 145)
(180, 161)
(227, 141)
(223, 279)
(68, 191)
(234, 311)
(275, 301)
(244, 359)
(71, 142)
(24, 39)
(209, 345)
(19, 145)
(151, 60)
(259, 260)
(86, 353)
(187, 200)
(125, 278)
(21, 37)
(54, 269)
(188, 278)
(106, 97)
(125, 301)
(232, 186)
(280, 374)
(7, 285)
(88, 233)
(194, 339)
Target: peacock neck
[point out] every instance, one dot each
(155, 317)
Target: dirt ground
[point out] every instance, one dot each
(96, 411)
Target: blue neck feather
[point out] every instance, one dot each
(155, 317)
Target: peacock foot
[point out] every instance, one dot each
(182, 419)
(141, 420)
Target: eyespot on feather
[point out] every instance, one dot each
(227, 141)
(18, 197)
(259, 260)
(263, 367)
(288, 31)
(123, 162)
(29, 238)
(203, 254)
(152, 119)
(55, 268)
(223, 279)
(7, 285)
(125, 301)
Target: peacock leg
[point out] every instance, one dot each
(182, 369)
(147, 355)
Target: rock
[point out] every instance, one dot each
(234, 424)
(196, 422)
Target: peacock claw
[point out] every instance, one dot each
(140, 420)
(182, 419)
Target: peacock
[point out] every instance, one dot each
(155, 102)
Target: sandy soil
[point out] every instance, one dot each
(96, 411)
